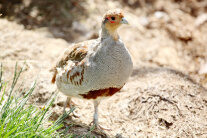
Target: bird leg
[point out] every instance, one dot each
(95, 116)
(69, 100)
(65, 104)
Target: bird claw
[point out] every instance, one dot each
(97, 126)
(73, 103)
(103, 128)
(76, 115)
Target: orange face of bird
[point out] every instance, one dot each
(113, 19)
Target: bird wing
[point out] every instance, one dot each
(76, 53)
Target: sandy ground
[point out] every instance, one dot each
(165, 95)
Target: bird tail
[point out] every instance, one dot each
(54, 75)
(53, 78)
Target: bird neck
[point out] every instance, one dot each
(105, 33)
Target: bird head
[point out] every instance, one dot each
(112, 20)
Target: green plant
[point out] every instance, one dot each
(18, 119)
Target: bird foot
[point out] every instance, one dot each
(73, 103)
(76, 115)
(97, 126)
(102, 128)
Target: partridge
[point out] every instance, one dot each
(95, 69)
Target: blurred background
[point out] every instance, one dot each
(167, 36)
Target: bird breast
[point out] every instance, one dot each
(111, 65)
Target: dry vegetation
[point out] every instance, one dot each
(166, 93)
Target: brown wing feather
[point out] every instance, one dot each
(76, 53)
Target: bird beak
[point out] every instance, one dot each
(124, 21)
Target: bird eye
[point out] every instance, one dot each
(113, 18)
